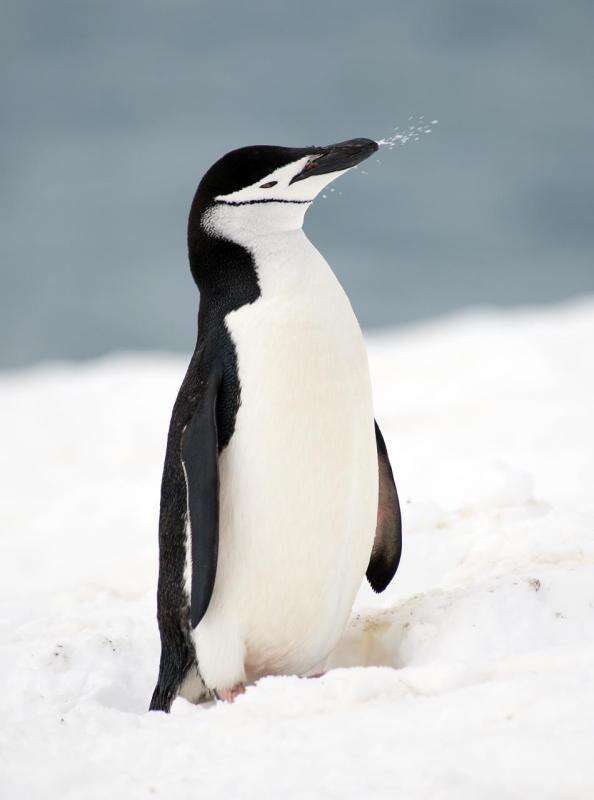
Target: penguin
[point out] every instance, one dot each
(277, 495)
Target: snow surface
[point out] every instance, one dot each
(471, 677)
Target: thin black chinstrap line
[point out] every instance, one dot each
(253, 202)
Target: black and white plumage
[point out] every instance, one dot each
(277, 493)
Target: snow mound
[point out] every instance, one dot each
(472, 676)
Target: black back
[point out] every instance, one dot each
(226, 276)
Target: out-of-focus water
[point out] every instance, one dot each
(112, 111)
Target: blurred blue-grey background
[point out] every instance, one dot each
(111, 112)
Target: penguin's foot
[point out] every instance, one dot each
(229, 695)
(317, 674)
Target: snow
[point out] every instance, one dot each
(471, 677)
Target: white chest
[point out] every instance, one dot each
(302, 328)
(305, 388)
(298, 480)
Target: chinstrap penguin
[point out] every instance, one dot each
(277, 494)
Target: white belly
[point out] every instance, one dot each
(298, 480)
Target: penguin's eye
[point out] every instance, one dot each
(268, 185)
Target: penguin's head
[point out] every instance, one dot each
(271, 187)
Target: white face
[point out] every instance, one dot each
(281, 188)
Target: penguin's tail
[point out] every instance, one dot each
(175, 663)
(178, 675)
(162, 699)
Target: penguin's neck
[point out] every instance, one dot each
(284, 261)
(244, 222)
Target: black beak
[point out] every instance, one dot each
(336, 157)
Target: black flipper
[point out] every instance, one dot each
(200, 458)
(387, 547)
(190, 483)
